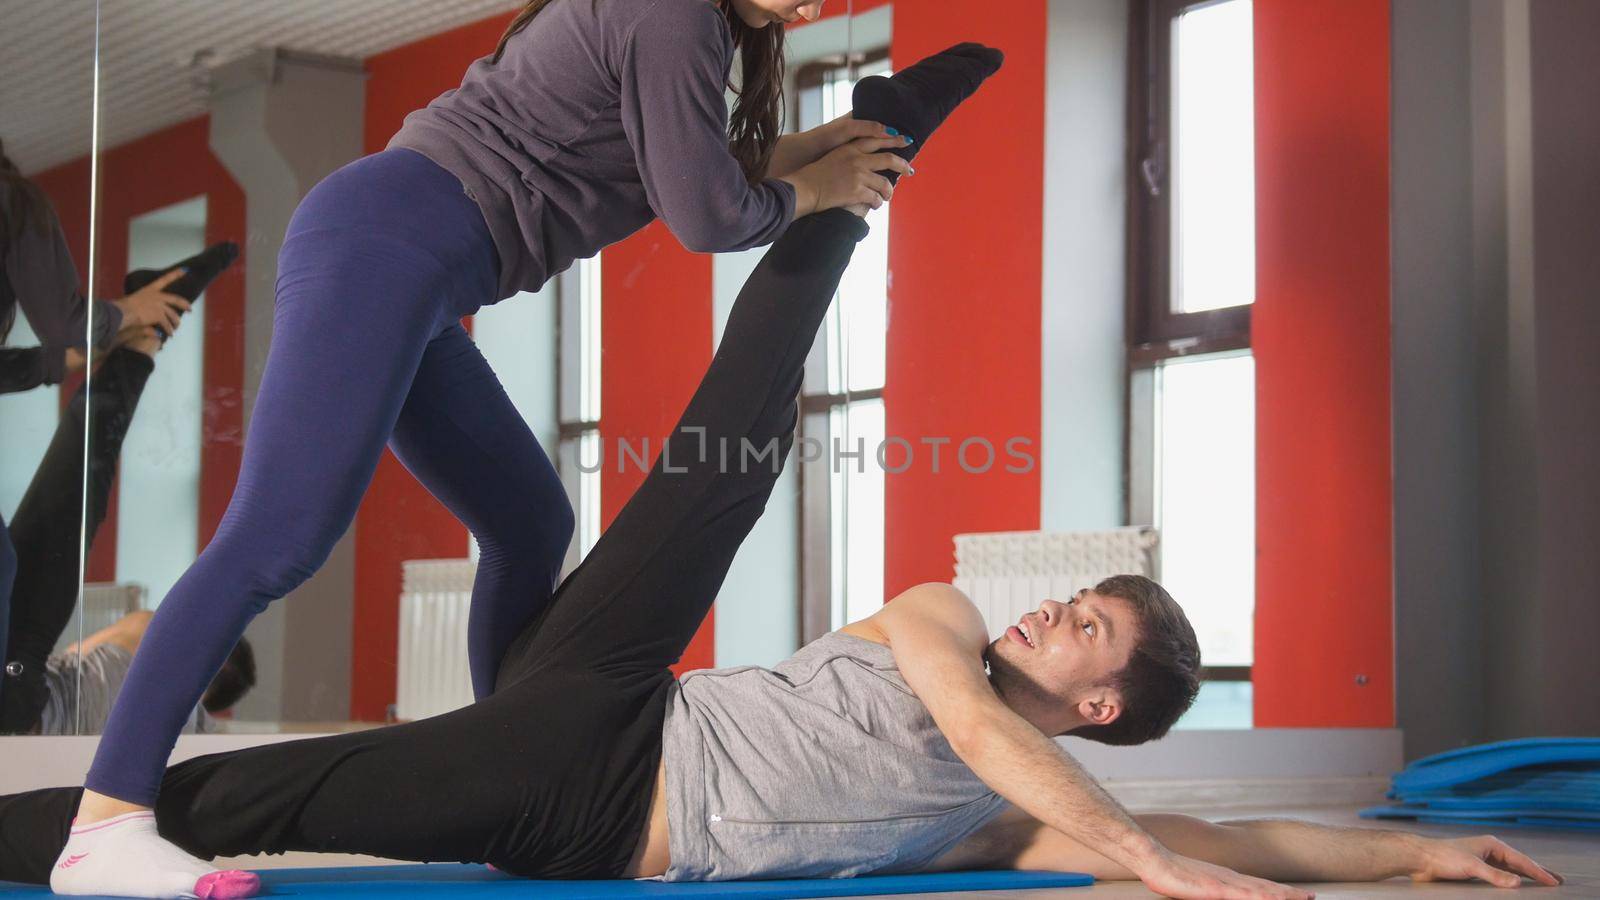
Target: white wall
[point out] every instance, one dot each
(158, 484)
(1081, 456)
(758, 608)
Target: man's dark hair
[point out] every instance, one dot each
(233, 681)
(1162, 676)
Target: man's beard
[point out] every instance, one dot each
(1019, 690)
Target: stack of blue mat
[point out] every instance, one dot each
(1536, 783)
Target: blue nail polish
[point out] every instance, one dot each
(909, 139)
(891, 130)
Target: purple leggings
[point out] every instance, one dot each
(380, 262)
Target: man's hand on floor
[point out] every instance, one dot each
(1177, 876)
(1476, 858)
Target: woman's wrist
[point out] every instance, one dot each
(805, 196)
(792, 153)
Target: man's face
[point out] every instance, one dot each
(1059, 658)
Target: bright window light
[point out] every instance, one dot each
(1205, 468)
(1213, 151)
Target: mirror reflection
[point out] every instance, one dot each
(52, 327)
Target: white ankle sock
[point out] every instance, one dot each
(124, 857)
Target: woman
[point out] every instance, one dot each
(589, 119)
(37, 275)
(553, 774)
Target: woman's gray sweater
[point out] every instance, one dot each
(602, 115)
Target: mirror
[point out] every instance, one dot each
(47, 57)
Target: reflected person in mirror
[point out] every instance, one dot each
(47, 693)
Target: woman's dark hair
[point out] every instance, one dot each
(1162, 676)
(757, 116)
(235, 679)
(29, 208)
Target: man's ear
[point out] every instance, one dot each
(1101, 708)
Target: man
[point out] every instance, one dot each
(883, 748)
(1117, 664)
(82, 681)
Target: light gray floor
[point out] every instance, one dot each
(1574, 856)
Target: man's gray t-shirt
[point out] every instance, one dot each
(826, 765)
(89, 685)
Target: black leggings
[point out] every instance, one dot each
(45, 530)
(551, 775)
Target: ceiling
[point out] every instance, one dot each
(152, 52)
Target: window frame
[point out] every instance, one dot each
(1155, 332)
(579, 307)
(814, 534)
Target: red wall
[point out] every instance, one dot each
(964, 296)
(399, 519)
(655, 331)
(1324, 598)
(158, 170)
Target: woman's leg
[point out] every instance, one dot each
(380, 257)
(350, 326)
(376, 262)
(460, 435)
(47, 524)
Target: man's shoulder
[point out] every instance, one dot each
(931, 599)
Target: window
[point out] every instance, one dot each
(1191, 440)
(581, 458)
(158, 481)
(842, 422)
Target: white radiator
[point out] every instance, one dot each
(1008, 573)
(104, 604)
(433, 677)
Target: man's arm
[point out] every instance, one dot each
(1280, 849)
(938, 639)
(127, 633)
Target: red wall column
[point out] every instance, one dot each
(966, 263)
(655, 335)
(1324, 568)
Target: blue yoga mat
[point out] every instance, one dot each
(446, 880)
